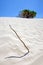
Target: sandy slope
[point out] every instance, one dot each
(30, 31)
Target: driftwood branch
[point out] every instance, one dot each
(21, 42)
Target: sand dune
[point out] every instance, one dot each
(38, 61)
(30, 31)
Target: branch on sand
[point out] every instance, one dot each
(21, 42)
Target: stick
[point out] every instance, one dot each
(23, 44)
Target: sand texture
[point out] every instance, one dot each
(31, 33)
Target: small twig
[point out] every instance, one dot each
(23, 44)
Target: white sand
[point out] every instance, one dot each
(30, 31)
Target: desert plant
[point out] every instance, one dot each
(27, 14)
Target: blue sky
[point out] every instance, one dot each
(11, 8)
